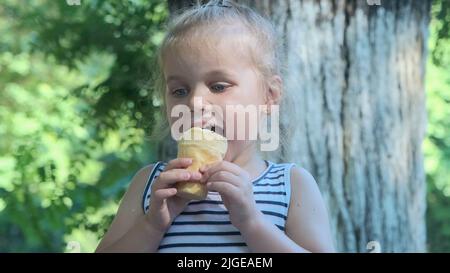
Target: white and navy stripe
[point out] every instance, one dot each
(204, 226)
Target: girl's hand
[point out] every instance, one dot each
(236, 189)
(164, 205)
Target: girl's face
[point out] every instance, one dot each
(217, 75)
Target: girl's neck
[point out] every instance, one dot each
(246, 156)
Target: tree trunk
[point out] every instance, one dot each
(355, 73)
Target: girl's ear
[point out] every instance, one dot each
(274, 92)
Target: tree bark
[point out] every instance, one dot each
(355, 73)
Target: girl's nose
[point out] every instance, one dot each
(196, 104)
(198, 98)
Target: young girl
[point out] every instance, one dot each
(224, 54)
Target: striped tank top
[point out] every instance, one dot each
(204, 226)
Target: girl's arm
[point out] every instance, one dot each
(130, 231)
(307, 226)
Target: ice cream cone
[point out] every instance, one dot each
(204, 147)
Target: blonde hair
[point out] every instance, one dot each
(265, 52)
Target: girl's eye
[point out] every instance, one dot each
(218, 88)
(181, 92)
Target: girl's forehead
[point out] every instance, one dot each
(200, 50)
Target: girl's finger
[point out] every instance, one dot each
(178, 163)
(223, 188)
(159, 195)
(209, 170)
(174, 175)
(226, 177)
(168, 178)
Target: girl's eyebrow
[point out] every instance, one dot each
(219, 72)
(174, 78)
(214, 73)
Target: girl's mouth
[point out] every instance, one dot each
(216, 129)
(211, 128)
(210, 125)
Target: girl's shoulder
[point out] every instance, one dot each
(143, 173)
(304, 188)
(146, 174)
(140, 179)
(301, 177)
(146, 171)
(301, 180)
(307, 222)
(296, 171)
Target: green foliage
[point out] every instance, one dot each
(437, 143)
(128, 30)
(73, 99)
(441, 27)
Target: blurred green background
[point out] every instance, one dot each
(76, 112)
